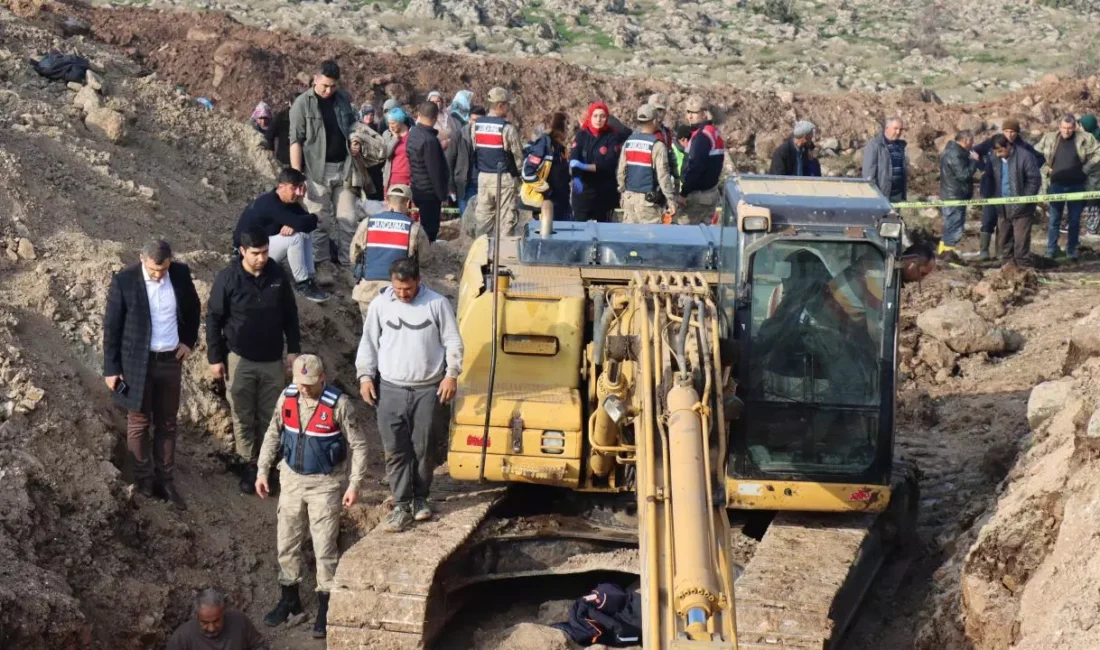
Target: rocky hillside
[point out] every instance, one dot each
(963, 49)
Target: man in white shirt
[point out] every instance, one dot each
(150, 327)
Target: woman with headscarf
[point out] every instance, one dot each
(443, 122)
(550, 147)
(261, 118)
(593, 162)
(397, 170)
(460, 152)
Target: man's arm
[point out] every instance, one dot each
(297, 132)
(190, 309)
(295, 216)
(620, 173)
(359, 242)
(1033, 178)
(451, 155)
(451, 338)
(438, 171)
(291, 329)
(870, 163)
(217, 311)
(420, 248)
(269, 450)
(513, 145)
(114, 321)
(366, 358)
(660, 166)
(253, 639)
(778, 166)
(357, 440)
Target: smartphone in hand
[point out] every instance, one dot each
(121, 387)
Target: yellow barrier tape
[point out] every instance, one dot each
(1008, 200)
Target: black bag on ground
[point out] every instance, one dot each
(609, 616)
(62, 67)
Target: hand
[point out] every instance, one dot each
(578, 185)
(286, 231)
(366, 391)
(974, 156)
(351, 497)
(356, 147)
(672, 209)
(218, 370)
(446, 391)
(182, 352)
(262, 488)
(112, 381)
(576, 164)
(290, 362)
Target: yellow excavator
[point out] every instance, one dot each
(630, 390)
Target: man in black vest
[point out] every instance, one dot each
(645, 178)
(150, 327)
(315, 429)
(498, 151)
(381, 240)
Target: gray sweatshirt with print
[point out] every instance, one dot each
(409, 344)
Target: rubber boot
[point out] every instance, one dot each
(983, 251)
(289, 605)
(320, 624)
(248, 479)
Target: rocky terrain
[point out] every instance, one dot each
(965, 50)
(997, 402)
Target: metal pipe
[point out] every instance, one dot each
(599, 336)
(546, 221)
(607, 431)
(686, 304)
(647, 500)
(696, 584)
(494, 333)
(658, 387)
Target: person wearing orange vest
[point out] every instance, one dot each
(702, 173)
(498, 152)
(314, 432)
(381, 240)
(645, 179)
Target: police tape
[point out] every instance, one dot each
(1007, 200)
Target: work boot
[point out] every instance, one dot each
(323, 276)
(320, 624)
(145, 487)
(309, 290)
(421, 510)
(289, 605)
(400, 519)
(984, 240)
(248, 479)
(172, 496)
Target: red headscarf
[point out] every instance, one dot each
(592, 108)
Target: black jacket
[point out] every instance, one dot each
(278, 136)
(128, 328)
(268, 213)
(250, 315)
(785, 160)
(460, 158)
(1024, 178)
(956, 172)
(599, 191)
(987, 188)
(427, 164)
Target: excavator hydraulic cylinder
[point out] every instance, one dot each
(611, 382)
(695, 583)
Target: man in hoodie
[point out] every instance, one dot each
(428, 168)
(699, 192)
(884, 161)
(957, 169)
(1072, 165)
(410, 338)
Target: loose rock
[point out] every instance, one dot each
(106, 123)
(25, 250)
(957, 324)
(1047, 399)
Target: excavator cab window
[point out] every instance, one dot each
(811, 380)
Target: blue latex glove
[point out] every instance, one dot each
(576, 164)
(578, 185)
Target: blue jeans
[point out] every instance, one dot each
(1073, 210)
(954, 225)
(471, 192)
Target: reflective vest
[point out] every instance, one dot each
(388, 238)
(320, 446)
(638, 150)
(715, 161)
(489, 146)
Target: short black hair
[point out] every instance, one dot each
(254, 238)
(290, 176)
(964, 135)
(429, 110)
(156, 250)
(330, 69)
(683, 132)
(921, 251)
(478, 110)
(999, 141)
(405, 268)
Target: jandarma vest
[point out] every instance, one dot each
(318, 447)
(388, 238)
(638, 150)
(489, 146)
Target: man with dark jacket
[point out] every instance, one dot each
(1073, 165)
(986, 188)
(251, 311)
(884, 161)
(289, 227)
(150, 327)
(957, 169)
(703, 167)
(795, 156)
(428, 167)
(1016, 173)
(277, 136)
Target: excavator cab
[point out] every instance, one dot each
(809, 291)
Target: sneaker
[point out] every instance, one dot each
(421, 510)
(310, 291)
(1054, 254)
(400, 519)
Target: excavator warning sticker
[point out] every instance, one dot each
(750, 489)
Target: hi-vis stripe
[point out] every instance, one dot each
(388, 233)
(1007, 200)
(490, 136)
(638, 152)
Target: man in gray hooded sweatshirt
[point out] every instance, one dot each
(410, 338)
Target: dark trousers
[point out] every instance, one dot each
(430, 209)
(1014, 234)
(159, 404)
(595, 203)
(990, 215)
(407, 420)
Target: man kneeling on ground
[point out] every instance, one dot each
(214, 627)
(289, 228)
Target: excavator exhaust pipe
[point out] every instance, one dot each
(696, 586)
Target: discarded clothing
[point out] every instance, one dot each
(62, 67)
(609, 616)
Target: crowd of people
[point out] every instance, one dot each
(298, 437)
